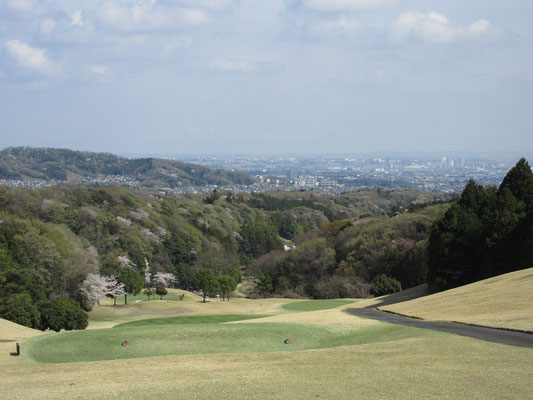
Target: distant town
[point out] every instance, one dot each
(326, 174)
(335, 174)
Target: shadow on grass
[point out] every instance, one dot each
(405, 295)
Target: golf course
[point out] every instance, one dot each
(187, 349)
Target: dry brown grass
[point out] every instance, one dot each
(12, 331)
(335, 316)
(107, 315)
(505, 301)
(404, 295)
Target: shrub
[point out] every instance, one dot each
(384, 284)
(20, 310)
(60, 314)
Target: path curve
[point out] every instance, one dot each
(522, 339)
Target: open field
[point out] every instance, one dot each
(505, 301)
(226, 350)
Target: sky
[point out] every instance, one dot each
(267, 76)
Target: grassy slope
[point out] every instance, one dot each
(505, 301)
(405, 295)
(12, 331)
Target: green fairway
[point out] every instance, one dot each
(159, 340)
(189, 320)
(142, 297)
(315, 305)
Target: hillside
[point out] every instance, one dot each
(504, 301)
(12, 331)
(28, 163)
(51, 239)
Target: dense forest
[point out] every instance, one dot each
(72, 166)
(487, 232)
(55, 241)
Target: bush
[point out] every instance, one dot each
(384, 284)
(20, 310)
(161, 291)
(60, 314)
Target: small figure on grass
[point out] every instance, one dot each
(287, 341)
(125, 343)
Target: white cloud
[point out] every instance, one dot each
(177, 42)
(99, 70)
(435, 27)
(209, 4)
(483, 28)
(47, 26)
(193, 16)
(340, 26)
(21, 5)
(76, 19)
(245, 67)
(147, 15)
(233, 66)
(346, 5)
(31, 57)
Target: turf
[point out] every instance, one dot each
(504, 301)
(163, 340)
(333, 355)
(316, 305)
(431, 365)
(10, 331)
(189, 320)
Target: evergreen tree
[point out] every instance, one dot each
(133, 281)
(206, 282)
(519, 180)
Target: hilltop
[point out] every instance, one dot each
(27, 163)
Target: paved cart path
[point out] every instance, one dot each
(514, 338)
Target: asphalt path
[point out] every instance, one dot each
(513, 338)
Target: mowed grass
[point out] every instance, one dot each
(334, 355)
(107, 315)
(202, 338)
(189, 320)
(505, 301)
(429, 365)
(316, 305)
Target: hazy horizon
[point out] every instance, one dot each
(267, 77)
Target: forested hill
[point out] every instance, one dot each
(54, 238)
(28, 163)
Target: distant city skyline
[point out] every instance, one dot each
(267, 76)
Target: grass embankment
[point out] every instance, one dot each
(405, 295)
(505, 301)
(10, 331)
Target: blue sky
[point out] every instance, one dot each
(267, 76)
